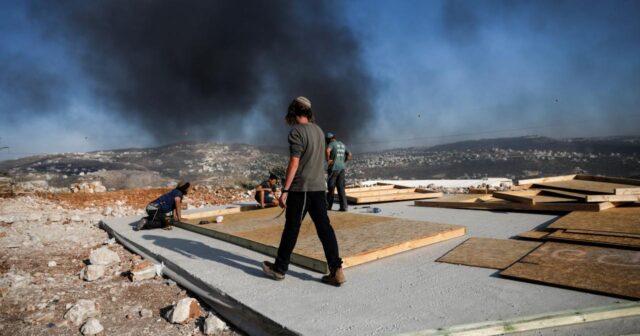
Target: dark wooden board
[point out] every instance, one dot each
(604, 270)
(488, 252)
(620, 220)
(595, 238)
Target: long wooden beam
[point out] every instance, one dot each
(563, 207)
(393, 198)
(547, 179)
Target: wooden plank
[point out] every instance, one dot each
(620, 180)
(489, 252)
(381, 192)
(627, 191)
(565, 193)
(605, 233)
(376, 187)
(609, 271)
(621, 220)
(613, 198)
(392, 198)
(214, 213)
(536, 322)
(504, 205)
(594, 238)
(531, 196)
(533, 234)
(588, 186)
(547, 179)
(524, 196)
(361, 237)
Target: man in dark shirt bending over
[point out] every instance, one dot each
(305, 191)
(158, 209)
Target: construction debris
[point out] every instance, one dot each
(81, 311)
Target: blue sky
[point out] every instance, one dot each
(443, 71)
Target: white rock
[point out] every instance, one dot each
(93, 272)
(109, 241)
(103, 256)
(34, 217)
(76, 218)
(213, 325)
(55, 217)
(146, 313)
(108, 211)
(185, 310)
(91, 327)
(7, 219)
(52, 263)
(82, 310)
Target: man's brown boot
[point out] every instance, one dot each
(335, 278)
(268, 269)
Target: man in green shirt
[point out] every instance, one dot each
(336, 154)
(305, 191)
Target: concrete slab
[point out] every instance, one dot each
(403, 293)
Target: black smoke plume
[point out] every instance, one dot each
(185, 69)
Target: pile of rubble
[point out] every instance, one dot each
(88, 187)
(61, 274)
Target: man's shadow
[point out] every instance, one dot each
(193, 249)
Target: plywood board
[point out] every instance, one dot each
(604, 270)
(621, 180)
(213, 213)
(621, 220)
(531, 196)
(594, 238)
(546, 179)
(361, 237)
(605, 233)
(533, 234)
(382, 192)
(564, 193)
(590, 186)
(613, 198)
(488, 204)
(392, 197)
(489, 252)
(376, 187)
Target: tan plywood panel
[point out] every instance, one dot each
(489, 252)
(610, 271)
(620, 220)
(361, 237)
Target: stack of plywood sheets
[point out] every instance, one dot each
(361, 238)
(558, 193)
(618, 227)
(387, 193)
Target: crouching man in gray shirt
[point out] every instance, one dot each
(305, 191)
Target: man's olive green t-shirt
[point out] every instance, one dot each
(306, 141)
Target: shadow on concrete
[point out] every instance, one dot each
(194, 249)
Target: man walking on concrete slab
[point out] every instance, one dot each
(305, 191)
(336, 154)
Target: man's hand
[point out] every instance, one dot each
(282, 202)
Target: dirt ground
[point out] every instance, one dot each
(45, 242)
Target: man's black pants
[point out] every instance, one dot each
(298, 204)
(336, 179)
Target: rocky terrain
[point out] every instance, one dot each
(60, 274)
(244, 166)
